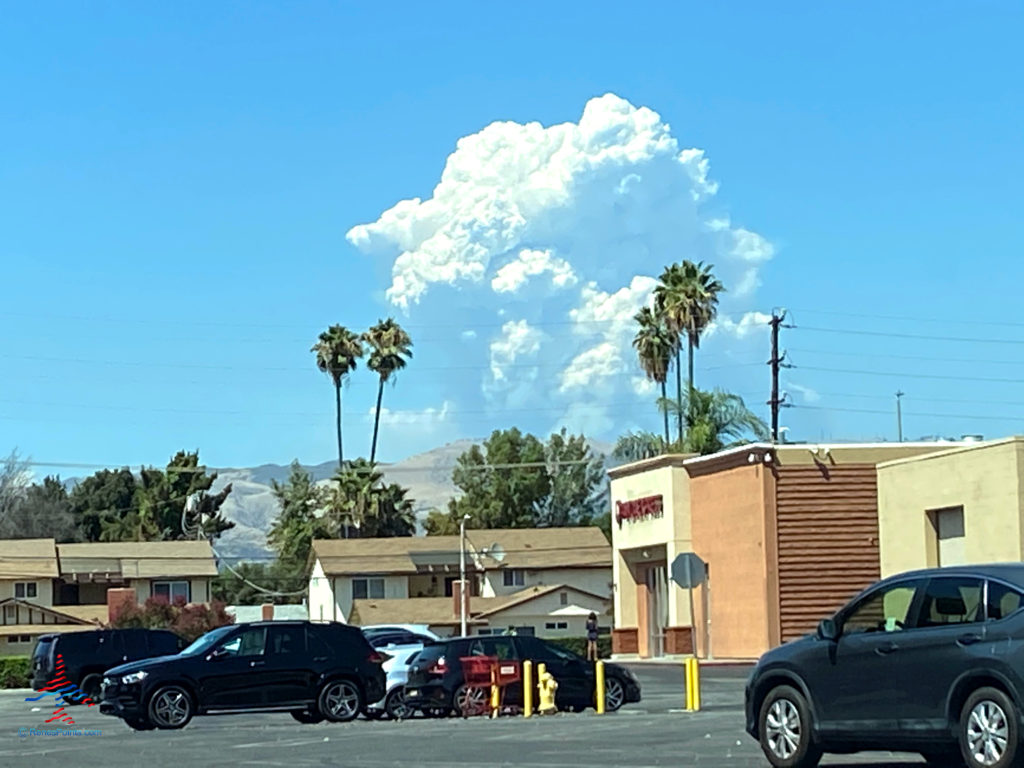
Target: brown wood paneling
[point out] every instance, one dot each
(625, 640)
(827, 534)
(678, 641)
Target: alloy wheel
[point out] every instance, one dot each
(782, 727)
(987, 733)
(395, 705)
(471, 700)
(171, 708)
(341, 700)
(614, 695)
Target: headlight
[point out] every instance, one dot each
(134, 677)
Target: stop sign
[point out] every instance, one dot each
(688, 570)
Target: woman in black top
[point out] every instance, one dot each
(592, 637)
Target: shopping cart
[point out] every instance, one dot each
(479, 674)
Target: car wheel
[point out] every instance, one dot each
(785, 728)
(306, 716)
(341, 701)
(170, 707)
(614, 694)
(395, 705)
(91, 686)
(989, 736)
(137, 724)
(470, 700)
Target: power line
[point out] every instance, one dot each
(924, 337)
(931, 358)
(960, 400)
(904, 318)
(907, 413)
(853, 371)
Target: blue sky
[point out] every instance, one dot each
(178, 182)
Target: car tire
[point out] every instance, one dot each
(138, 724)
(307, 716)
(470, 700)
(340, 701)
(91, 686)
(989, 729)
(395, 706)
(170, 708)
(614, 694)
(785, 728)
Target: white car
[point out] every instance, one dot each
(397, 670)
(383, 635)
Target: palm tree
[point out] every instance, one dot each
(687, 300)
(636, 446)
(337, 352)
(390, 348)
(352, 497)
(392, 514)
(655, 344)
(717, 420)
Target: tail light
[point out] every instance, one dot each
(377, 658)
(440, 667)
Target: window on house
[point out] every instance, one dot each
(10, 614)
(514, 577)
(549, 625)
(12, 638)
(367, 589)
(564, 598)
(24, 589)
(556, 625)
(171, 590)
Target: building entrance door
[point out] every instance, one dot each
(656, 578)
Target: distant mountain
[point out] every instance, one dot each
(252, 507)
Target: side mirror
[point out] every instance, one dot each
(217, 654)
(827, 630)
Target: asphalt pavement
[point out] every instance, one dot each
(655, 732)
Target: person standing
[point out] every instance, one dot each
(592, 637)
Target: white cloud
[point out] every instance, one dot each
(749, 324)
(468, 335)
(809, 395)
(517, 340)
(643, 386)
(563, 227)
(514, 275)
(424, 417)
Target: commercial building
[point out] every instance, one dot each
(788, 532)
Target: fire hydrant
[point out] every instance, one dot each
(548, 685)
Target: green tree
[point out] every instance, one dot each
(102, 500)
(390, 349)
(337, 352)
(440, 522)
(188, 621)
(41, 510)
(299, 520)
(240, 588)
(163, 496)
(687, 300)
(392, 514)
(655, 344)
(360, 501)
(14, 480)
(577, 482)
(637, 446)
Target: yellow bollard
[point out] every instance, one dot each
(495, 694)
(599, 687)
(692, 667)
(527, 688)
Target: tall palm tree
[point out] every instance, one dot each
(687, 300)
(352, 498)
(717, 420)
(337, 351)
(654, 344)
(390, 349)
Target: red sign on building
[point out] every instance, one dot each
(639, 509)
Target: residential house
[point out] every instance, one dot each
(48, 587)
(560, 572)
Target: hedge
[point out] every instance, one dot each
(15, 671)
(578, 645)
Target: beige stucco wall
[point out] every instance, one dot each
(985, 480)
(321, 596)
(539, 612)
(671, 532)
(596, 580)
(44, 590)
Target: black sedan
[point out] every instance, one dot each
(317, 671)
(436, 685)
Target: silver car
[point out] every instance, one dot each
(397, 670)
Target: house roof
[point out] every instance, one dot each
(440, 611)
(32, 558)
(43, 629)
(60, 614)
(531, 548)
(98, 614)
(138, 559)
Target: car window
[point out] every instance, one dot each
(884, 610)
(318, 647)
(287, 640)
(535, 649)
(1002, 601)
(501, 647)
(248, 643)
(951, 600)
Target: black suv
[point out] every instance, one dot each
(930, 662)
(87, 654)
(436, 686)
(315, 670)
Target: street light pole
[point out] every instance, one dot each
(462, 574)
(899, 416)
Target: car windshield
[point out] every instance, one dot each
(205, 642)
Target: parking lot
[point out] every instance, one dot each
(653, 733)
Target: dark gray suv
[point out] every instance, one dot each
(929, 662)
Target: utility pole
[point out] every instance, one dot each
(776, 363)
(899, 416)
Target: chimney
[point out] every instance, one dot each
(119, 598)
(268, 612)
(457, 586)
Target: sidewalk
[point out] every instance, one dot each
(678, 660)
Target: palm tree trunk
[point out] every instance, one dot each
(337, 413)
(376, 422)
(664, 411)
(689, 397)
(679, 395)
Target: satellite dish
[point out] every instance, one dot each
(496, 552)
